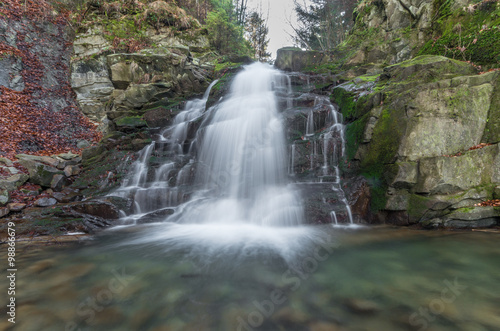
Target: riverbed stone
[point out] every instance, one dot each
(15, 206)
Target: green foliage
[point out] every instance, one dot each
(225, 35)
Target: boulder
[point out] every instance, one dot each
(295, 59)
(101, 209)
(12, 183)
(4, 197)
(16, 206)
(40, 173)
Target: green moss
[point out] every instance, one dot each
(418, 206)
(354, 135)
(345, 100)
(130, 121)
(470, 35)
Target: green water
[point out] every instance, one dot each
(328, 279)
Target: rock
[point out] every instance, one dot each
(45, 202)
(295, 59)
(158, 118)
(6, 161)
(82, 144)
(4, 197)
(100, 209)
(361, 306)
(444, 175)
(71, 170)
(359, 198)
(58, 182)
(68, 156)
(4, 211)
(13, 182)
(40, 173)
(156, 216)
(128, 123)
(16, 206)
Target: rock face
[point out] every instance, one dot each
(420, 132)
(113, 89)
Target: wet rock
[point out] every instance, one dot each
(45, 202)
(14, 206)
(100, 209)
(156, 216)
(361, 306)
(358, 196)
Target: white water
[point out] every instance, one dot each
(242, 159)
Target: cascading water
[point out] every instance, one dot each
(229, 164)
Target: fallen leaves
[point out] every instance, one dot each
(41, 119)
(489, 203)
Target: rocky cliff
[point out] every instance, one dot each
(421, 109)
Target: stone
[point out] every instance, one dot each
(295, 59)
(71, 170)
(68, 156)
(101, 209)
(82, 144)
(156, 216)
(445, 175)
(12, 183)
(40, 173)
(132, 122)
(6, 161)
(45, 202)
(14, 206)
(324, 326)
(4, 197)
(4, 211)
(406, 175)
(58, 182)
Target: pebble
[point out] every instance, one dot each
(40, 266)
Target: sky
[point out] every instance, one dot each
(280, 13)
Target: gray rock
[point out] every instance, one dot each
(4, 197)
(13, 182)
(6, 161)
(40, 173)
(4, 211)
(57, 183)
(45, 202)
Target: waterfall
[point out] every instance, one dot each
(232, 163)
